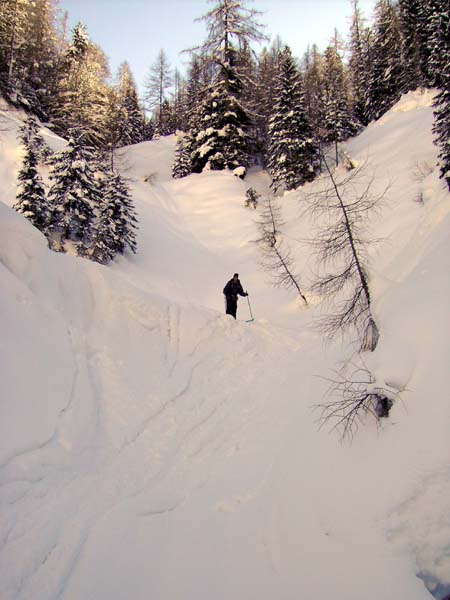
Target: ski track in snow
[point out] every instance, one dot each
(89, 489)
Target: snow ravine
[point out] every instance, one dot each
(153, 448)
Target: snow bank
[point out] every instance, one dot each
(32, 397)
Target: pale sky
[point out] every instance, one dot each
(135, 30)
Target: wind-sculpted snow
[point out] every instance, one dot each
(128, 394)
(153, 447)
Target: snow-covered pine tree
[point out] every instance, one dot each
(292, 154)
(114, 125)
(40, 57)
(264, 96)
(100, 250)
(246, 66)
(222, 141)
(82, 101)
(115, 229)
(186, 143)
(12, 38)
(221, 132)
(182, 165)
(31, 137)
(437, 30)
(124, 214)
(80, 42)
(339, 122)
(442, 128)
(149, 129)
(313, 84)
(359, 63)
(166, 116)
(387, 70)
(31, 200)
(133, 125)
(28, 42)
(124, 117)
(74, 197)
(71, 62)
(441, 52)
(411, 43)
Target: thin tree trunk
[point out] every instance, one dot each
(280, 257)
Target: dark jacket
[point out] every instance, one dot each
(233, 289)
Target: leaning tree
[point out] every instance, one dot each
(343, 204)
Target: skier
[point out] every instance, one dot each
(231, 291)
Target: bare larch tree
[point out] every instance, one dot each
(277, 258)
(344, 204)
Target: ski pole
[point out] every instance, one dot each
(250, 309)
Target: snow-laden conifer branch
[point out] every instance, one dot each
(31, 199)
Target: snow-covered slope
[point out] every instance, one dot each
(151, 447)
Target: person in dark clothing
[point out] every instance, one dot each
(231, 290)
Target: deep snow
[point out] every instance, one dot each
(151, 447)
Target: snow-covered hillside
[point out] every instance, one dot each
(152, 447)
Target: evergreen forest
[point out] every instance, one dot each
(243, 101)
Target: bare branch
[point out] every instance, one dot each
(354, 393)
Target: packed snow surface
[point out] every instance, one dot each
(152, 447)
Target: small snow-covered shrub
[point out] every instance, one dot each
(251, 198)
(354, 393)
